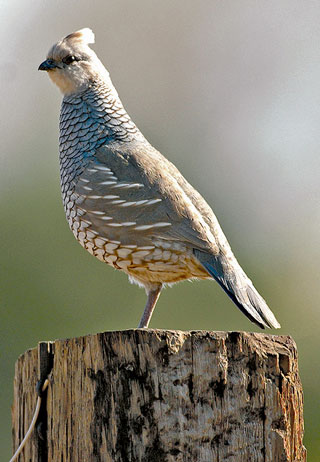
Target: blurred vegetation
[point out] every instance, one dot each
(230, 93)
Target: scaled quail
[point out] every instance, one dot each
(126, 203)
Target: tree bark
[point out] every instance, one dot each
(163, 396)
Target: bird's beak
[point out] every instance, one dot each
(47, 65)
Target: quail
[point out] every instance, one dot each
(125, 202)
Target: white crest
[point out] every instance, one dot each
(84, 36)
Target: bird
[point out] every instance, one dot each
(125, 202)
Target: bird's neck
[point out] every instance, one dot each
(99, 109)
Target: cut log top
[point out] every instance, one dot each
(156, 395)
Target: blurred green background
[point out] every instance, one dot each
(229, 91)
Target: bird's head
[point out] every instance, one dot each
(72, 65)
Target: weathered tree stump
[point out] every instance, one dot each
(164, 396)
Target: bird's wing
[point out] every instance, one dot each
(134, 193)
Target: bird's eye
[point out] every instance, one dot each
(69, 59)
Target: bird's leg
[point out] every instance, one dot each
(153, 295)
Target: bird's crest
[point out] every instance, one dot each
(83, 36)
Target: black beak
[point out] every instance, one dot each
(47, 65)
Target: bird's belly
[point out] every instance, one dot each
(166, 272)
(161, 261)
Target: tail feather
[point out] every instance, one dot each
(238, 286)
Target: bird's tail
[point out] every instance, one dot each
(238, 286)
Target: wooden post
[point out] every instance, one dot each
(164, 396)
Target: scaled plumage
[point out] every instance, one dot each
(126, 203)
